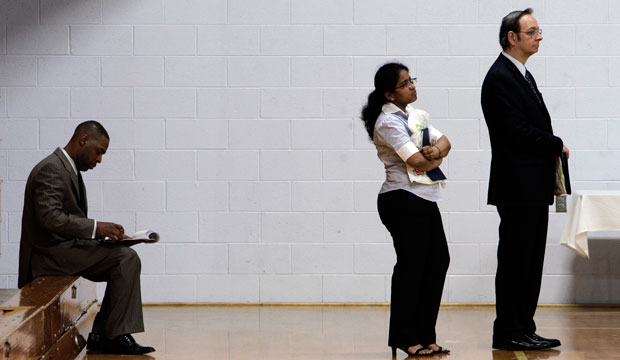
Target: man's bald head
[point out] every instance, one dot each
(91, 128)
(88, 144)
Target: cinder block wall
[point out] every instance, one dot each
(235, 133)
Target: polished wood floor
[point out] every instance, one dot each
(6, 294)
(343, 333)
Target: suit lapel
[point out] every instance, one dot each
(69, 169)
(526, 87)
(541, 104)
(520, 78)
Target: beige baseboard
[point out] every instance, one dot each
(360, 305)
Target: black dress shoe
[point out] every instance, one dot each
(95, 342)
(126, 345)
(552, 342)
(518, 343)
(533, 340)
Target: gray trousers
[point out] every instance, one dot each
(118, 265)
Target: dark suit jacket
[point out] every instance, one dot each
(523, 147)
(53, 213)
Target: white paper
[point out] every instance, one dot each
(148, 235)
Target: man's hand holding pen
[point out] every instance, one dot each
(111, 232)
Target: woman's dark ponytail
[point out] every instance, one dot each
(386, 79)
(371, 111)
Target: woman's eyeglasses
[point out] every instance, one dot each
(407, 83)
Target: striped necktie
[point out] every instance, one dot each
(530, 81)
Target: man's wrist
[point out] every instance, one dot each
(438, 151)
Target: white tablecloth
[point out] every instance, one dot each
(590, 210)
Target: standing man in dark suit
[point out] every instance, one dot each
(58, 239)
(521, 185)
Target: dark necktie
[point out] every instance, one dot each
(82, 189)
(530, 81)
(436, 174)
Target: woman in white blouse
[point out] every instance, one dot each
(408, 209)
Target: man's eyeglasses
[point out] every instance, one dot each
(407, 83)
(532, 32)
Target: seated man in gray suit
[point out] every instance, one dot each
(59, 239)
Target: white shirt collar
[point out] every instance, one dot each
(70, 161)
(390, 108)
(517, 63)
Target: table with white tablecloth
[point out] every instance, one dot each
(590, 210)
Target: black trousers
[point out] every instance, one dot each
(520, 257)
(422, 260)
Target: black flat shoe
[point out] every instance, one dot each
(416, 353)
(126, 345)
(552, 342)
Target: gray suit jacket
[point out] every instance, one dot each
(53, 213)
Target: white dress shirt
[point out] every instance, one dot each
(518, 64)
(392, 138)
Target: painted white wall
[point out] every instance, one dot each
(235, 133)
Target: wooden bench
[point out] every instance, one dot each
(48, 319)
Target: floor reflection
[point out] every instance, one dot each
(340, 333)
